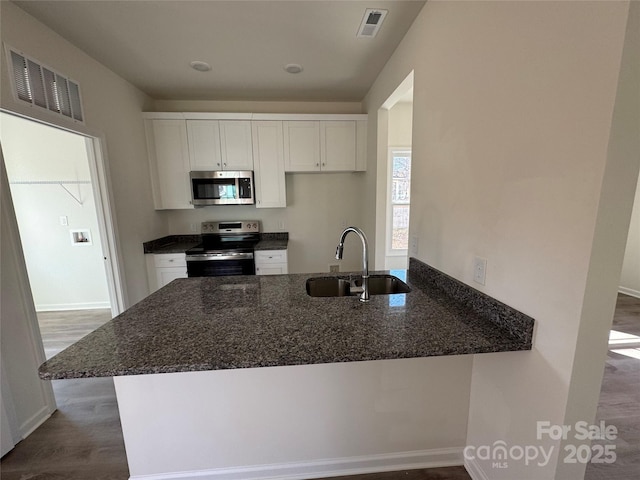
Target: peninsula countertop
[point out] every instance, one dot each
(213, 323)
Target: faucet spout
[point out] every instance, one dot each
(364, 297)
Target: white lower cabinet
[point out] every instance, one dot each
(271, 262)
(163, 268)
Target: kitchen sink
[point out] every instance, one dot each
(351, 286)
(328, 287)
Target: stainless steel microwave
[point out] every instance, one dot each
(222, 188)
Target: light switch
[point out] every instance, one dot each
(64, 220)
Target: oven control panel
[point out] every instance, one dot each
(240, 226)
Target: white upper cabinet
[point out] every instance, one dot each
(338, 146)
(220, 144)
(268, 157)
(320, 146)
(235, 142)
(169, 163)
(269, 144)
(302, 146)
(204, 145)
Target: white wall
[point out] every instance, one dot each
(400, 124)
(319, 205)
(511, 128)
(630, 279)
(62, 276)
(112, 108)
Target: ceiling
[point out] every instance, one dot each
(247, 44)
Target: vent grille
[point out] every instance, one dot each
(42, 87)
(371, 22)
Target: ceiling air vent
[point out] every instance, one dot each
(42, 87)
(371, 22)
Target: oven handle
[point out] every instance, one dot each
(206, 257)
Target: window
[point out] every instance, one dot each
(400, 190)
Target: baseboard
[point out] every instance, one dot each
(629, 291)
(33, 422)
(333, 467)
(57, 307)
(474, 470)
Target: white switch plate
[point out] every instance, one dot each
(281, 225)
(413, 244)
(192, 227)
(64, 220)
(479, 270)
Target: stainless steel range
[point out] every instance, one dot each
(226, 249)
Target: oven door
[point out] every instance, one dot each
(220, 264)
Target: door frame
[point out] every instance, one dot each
(107, 225)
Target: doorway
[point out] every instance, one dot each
(59, 209)
(395, 131)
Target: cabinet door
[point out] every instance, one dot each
(204, 145)
(301, 146)
(168, 274)
(169, 163)
(338, 146)
(235, 141)
(269, 164)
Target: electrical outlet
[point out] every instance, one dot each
(334, 268)
(281, 226)
(479, 270)
(192, 227)
(64, 220)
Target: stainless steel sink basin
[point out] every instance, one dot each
(385, 285)
(328, 287)
(342, 286)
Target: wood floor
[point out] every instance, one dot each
(83, 439)
(620, 400)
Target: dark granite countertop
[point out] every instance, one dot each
(272, 245)
(182, 243)
(213, 323)
(172, 244)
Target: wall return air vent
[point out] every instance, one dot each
(42, 87)
(371, 22)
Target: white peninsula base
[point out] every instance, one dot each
(295, 422)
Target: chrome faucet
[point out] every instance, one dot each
(364, 297)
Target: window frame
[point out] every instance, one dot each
(389, 250)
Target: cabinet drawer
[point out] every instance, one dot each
(170, 260)
(272, 269)
(271, 256)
